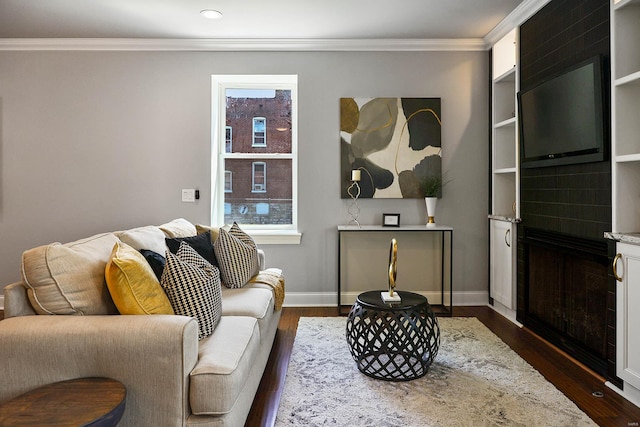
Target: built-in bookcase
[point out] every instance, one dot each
(625, 105)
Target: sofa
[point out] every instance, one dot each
(65, 320)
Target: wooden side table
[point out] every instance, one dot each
(95, 402)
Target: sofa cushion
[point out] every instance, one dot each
(224, 362)
(201, 243)
(213, 231)
(192, 285)
(237, 256)
(178, 228)
(69, 278)
(249, 301)
(132, 283)
(155, 261)
(149, 237)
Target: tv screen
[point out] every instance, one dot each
(561, 119)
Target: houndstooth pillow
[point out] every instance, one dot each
(192, 285)
(237, 256)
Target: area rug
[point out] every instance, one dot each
(475, 380)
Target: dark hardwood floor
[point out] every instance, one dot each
(576, 381)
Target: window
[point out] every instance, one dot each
(244, 109)
(228, 181)
(228, 140)
(259, 132)
(259, 177)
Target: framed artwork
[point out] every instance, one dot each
(391, 220)
(394, 142)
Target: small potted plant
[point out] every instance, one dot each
(432, 188)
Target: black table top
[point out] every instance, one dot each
(408, 300)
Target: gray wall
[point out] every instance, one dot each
(99, 141)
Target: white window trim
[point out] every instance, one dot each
(253, 132)
(253, 177)
(230, 129)
(262, 234)
(230, 189)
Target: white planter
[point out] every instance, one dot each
(431, 210)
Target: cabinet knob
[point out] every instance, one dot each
(615, 267)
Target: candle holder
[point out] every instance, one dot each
(354, 193)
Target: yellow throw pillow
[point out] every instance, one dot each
(132, 284)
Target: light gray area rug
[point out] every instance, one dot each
(475, 380)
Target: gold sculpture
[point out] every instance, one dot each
(393, 268)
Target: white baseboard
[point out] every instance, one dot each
(506, 312)
(630, 393)
(330, 299)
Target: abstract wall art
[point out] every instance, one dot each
(394, 142)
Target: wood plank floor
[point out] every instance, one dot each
(576, 381)
(572, 378)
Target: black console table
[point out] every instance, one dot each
(371, 253)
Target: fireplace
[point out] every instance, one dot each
(565, 294)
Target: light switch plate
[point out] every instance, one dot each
(188, 195)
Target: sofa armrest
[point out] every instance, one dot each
(16, 301)
(262, 264)
(151, 355)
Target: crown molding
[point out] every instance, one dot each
(517, 17)
(372, 45)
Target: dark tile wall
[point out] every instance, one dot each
(572, 200)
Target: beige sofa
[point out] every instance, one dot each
(172, 378)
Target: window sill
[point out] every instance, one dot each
(275, 237)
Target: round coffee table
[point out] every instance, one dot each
(393, 341)
(96, 402)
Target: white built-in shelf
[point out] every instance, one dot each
(618, 4)
(628, 158)
(505, 170)
(504, 123)
(633, 78)
(508, 76)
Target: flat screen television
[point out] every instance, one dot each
(561, 120)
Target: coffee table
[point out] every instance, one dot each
(96, 402)
(393, 341)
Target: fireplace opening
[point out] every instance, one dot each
(566, 294)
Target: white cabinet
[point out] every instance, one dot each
(627, 271)
(503, 263)
(625, 104)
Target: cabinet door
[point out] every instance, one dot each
(627, 269)
(503, 263)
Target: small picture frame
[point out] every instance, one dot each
(391, 220)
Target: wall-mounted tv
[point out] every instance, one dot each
(561, 120)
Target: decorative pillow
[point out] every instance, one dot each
(155, 260)
(69, 278)
(148, 237)
(178, 228)
(193, 287)
(201, 243)
(237, 256)
(133, 286)
(214, 231)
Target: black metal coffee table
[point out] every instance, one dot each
(393, 341)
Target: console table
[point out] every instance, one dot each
(425, 262)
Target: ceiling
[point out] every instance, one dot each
(253, 19)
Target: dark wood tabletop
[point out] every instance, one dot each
(96, 402)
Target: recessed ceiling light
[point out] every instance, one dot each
(211, 14)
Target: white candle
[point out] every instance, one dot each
(355, 175)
